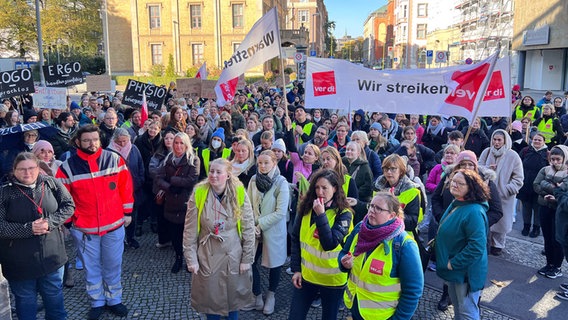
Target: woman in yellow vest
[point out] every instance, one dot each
(396, 181)
(218, 243)
(549, 126)
(323, 221)
(385, 271)
(216, 149)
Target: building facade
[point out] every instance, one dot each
(378, 35)
(539, 36)
(410, 30)
(144, 33)
(313, 16)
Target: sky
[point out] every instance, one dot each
(350, 14)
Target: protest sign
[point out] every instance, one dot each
(63, 75)
(133, 95)
(50, 98)
(16, 83)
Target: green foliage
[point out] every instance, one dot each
(288, 71)
(269, 76)
(170, 72)
(157, 70)
(89, 63)
(191, 72)
(17, 22)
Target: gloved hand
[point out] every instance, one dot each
(193, 268)
(127, 221)
(244, 267)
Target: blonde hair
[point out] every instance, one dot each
(362, 154)
(231, 188)
(189, 153)
(248, 144)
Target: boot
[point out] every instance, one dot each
(444, 300)
(68, 276)
(154, 225)
(526, 229)
(269, 303)
(177, 265)
(138, 230)
(535, 232)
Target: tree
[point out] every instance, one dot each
(17, 27)
(329, 39)
(170, 72)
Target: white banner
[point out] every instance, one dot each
(261, 44)
(337, 84)
(50, 98)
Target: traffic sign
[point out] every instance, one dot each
(312, 53)
(468, 61)
(441, 57)
(429, 53)
(299, 57)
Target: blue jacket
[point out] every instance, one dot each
(462, 240)
(374, 162)
(406, 266)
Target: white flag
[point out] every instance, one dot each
(261, 44)
(202, 72)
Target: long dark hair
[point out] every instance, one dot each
(478, 189)
(339, 198)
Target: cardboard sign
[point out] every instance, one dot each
(63, 75)
(208, 89)
(98, 83)
(16, 82)
(188, 87)
(50, 98)
(154, 95)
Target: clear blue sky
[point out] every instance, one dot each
(350, 14)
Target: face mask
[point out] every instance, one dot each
(216, 144)
(317, 119)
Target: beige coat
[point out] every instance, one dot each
(218, 287)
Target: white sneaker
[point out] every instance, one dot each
(289, 271)
(163, 245)
(269, 303)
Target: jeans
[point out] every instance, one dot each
(553, 249)
(233, 315)
(466, 304)
(273, 275)
(302, 300)
(50, 287)
(531, 212)
(102, 257)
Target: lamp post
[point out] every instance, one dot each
(313, 32)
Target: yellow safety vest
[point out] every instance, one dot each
(347, 178)
(200, 197)
(546, 127)
(519, 114)
(307, 129)
(319, 266)
(371, 282)
(407, 196)
(206, 154)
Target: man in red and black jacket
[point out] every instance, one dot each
(101, 186)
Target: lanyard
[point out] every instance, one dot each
(38, 206)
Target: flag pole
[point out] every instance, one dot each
(280, 57)
(483, 89)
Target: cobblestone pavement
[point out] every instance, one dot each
(152, 292)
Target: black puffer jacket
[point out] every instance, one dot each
(23, 255)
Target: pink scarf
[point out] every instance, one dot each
(370, 237)
(123, 151)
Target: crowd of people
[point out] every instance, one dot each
(354, 207)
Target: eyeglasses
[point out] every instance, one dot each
(375, 208)
(391, 169)
(26, 169)
(458, 183)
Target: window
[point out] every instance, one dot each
(156, 54)
(197, 53)
(404, 11)
(303, 16)
(236, 46)
(421, 31)
(195, 16)
(238, 18)
(422, 10)
(154, 12)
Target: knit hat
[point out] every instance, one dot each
(219, 133)
(28, 113)
(74, 106)
(517, 125)
(41, 144)
(516, 87)
(376, 126)
(279, 144)
(467, 155)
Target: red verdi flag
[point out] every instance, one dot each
(202, 72)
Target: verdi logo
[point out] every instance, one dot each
(324, 83)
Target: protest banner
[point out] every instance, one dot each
(336, 84)
(208, 89)
(133, 95)
(100, 82)
(50, 98)
(188, 87)
(63, 75)
(16, 82)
